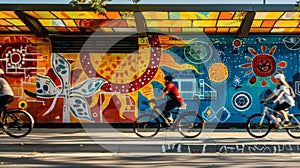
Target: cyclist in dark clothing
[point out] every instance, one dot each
(173, 98)
(6, 93)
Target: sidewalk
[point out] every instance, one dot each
(124, 140)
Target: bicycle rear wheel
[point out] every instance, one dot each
(146, 126)
(295, 130)
(257, 126)
(17, 123)
(190, 124)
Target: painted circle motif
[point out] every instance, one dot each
(198, 52)
(292, 42)
(242, 101)
(237, 43)
(14, 53)
(22, 104)
(263, 65)
(218, 72)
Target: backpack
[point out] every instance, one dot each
(292, 93)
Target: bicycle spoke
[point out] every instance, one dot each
(190, 125)
(17, 123)
(258, 126)
(146, 126)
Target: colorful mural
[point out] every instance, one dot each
(223, 78)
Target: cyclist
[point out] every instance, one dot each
(6, 93)
(173, 98)
(285, 95)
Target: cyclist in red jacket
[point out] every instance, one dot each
(173, 98)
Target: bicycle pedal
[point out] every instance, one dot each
(276, 127)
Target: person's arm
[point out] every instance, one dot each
(292, 92)
(269, 97)
(162, 95)
(279, 96)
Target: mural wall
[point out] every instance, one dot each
(221, 77)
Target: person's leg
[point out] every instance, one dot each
(284, 112)
(170, 105)
(284, 115)
(4, 101)
(277, 108)
(281, 108)
(167, 110)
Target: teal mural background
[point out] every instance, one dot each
(250, 73)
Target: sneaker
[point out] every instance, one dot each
(286, 124)
(168, 123)
(276, 126)
(170, 120)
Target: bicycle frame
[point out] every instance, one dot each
(268, 111)
(156, 111)
(188, 123)
(4, 111)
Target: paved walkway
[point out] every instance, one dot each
(124, 140)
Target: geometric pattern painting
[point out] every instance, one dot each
(223, 78)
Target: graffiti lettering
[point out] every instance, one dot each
(240, 148)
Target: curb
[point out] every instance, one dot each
(239, 148)
(154, 148)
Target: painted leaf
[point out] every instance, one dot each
(45, 87)
(61, 68)
(80, 107)
(88, 87)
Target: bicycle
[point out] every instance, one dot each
(189, 124)
(260, 124)
(16, 122)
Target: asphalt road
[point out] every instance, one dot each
(77, 147)
(110, 160)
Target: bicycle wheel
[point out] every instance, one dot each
(257, 126)
(295, 130)
(146, 126)
(17, 123)
(190, 124)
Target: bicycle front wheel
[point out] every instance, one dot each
(258, 126)
(17, 123)
(146, 126)
(294, 131)
(190, 124)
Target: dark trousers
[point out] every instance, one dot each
(282, 106)
(5, 100)
(169, 106)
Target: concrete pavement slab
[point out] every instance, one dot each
(124, 141)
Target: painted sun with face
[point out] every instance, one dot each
(262, 65)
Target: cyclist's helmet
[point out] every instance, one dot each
(1, 72)
(279, 76)
(169, 78)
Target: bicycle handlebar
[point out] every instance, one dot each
(151, 101)
(268, 103)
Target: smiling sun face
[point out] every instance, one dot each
(262, 65)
